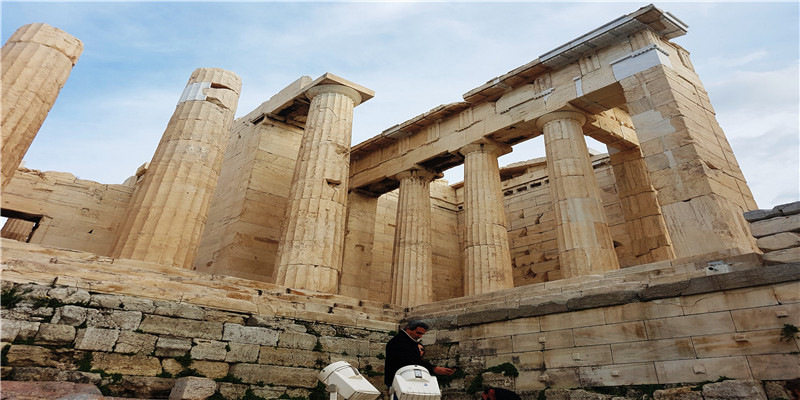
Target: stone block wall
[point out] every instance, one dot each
(73, 213)
(138, 347)
(777, 232)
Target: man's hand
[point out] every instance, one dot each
(442, 371)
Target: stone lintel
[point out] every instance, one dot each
(331, 79)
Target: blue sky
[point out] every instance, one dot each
(138, 56)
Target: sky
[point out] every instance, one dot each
(138, 56)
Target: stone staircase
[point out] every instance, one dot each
(31, 263)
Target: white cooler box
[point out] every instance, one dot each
(414, 382)
(349, 383)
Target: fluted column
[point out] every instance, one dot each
(412, 258)
(584, 241)
(36, 62)
(17, 229)
(312, 238)
(487, 258)
(169, 209)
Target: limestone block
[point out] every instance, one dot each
(787, 292)
(699, 324)
(211, 350)
(126, 365)
(181, 327)
(578, 357)
(783, 256)
(70, 295)
(543, 340)
(54, 374)
(12, 329)
(152, 387)
(678, 393)
(178, 310)
(114, 319)
(211, 369)
(297, 340)
(775, 225)
(618, 375)
(773, 317)
(50, 390)
(614, 333)
(135, 343)
(485, 347)
(575, 319)
(289, 376)
(55, 334)
(250, 335)
(749, 343)
(69, 315)
(340, 345)
(192, 388)
(127, 303)
(96, 339)
(292, 357)
(24, 355)
(239, 352)
(776, 390)
(661, 308)
(172, 347)
(734, 389)
(779, 241)
(653, 350)
(728, 300)
(705, 369)
(551, 378)
(775, 366)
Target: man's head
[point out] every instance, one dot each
(488, 394)
(415, 329)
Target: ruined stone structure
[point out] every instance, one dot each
(579, 269)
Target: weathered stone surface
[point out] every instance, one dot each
(776, 390)
(211, 350)
(127, 303)
(250, 335)
(775, 225)
(775, 366)
(783, 256)
(292, 357)
(254, 373)
(69, 315)
(297, 340)
(779, 241)
(135, 343)
(211, 369)
(178, 310)
(232, 390)
(239, 352)
(54, 374)
(96, 339)
(357, 347)
(12, 329)
(151, 387)
(192, 388)
(126, 365)
(182, 327)
(224, 317)
(125, 320)
(729, 390)
(758, 215)
(55, 334)
(172, 347)
(25, 355)
(680, 393)
(49, 390)
(70, 295)
(789, 208)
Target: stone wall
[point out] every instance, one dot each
(72, 213)
(137, 347)
(777, 232)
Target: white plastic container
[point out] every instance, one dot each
(414, 382)
(349, 383)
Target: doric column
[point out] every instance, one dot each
(36, 62)
(168, 212)
(17, 229)
(584, 241)
(487, 258)
(412, 259)
(310, 250)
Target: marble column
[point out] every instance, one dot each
(17, 229)
(310, 251)
(487, 258)
(584, 240)
(36, 62)
(412, 257)
(169, 208)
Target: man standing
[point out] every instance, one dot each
(404, 350)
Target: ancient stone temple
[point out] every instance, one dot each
(650, 264)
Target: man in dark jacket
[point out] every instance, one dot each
(403, 350)
(492, 393)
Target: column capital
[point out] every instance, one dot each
(556, 115)
(340, 89)
(487, 146)
(418, 172)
